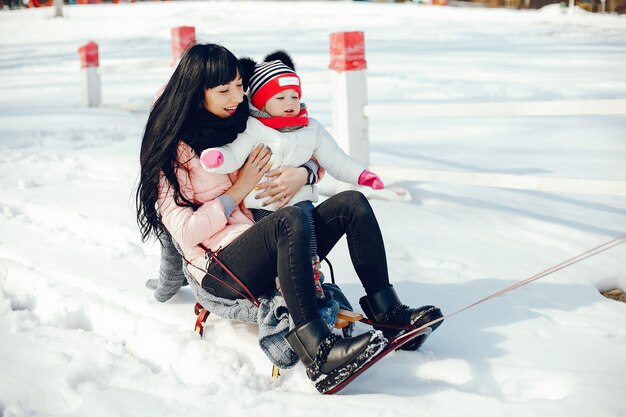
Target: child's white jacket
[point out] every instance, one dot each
(289, 149)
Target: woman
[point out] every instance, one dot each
(203, 105)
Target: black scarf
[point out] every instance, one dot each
(206, 130)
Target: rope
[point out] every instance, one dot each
(332, 272)
(248, 294)
(571, 261)
(218, 280)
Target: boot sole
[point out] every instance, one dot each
(338, 377)
(427, 317)
(392, 345)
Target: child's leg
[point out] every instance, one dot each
(258, 214)
(307, 207)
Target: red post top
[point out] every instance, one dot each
(347, 51)
(182, 38)
(89, 55)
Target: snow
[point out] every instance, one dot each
(82, 336)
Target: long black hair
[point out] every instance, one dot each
(202, 66)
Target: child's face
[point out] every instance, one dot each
(284, 104)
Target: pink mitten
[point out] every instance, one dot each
(211, 158)
(371, 180)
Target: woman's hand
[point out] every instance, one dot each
(287, 181)
(252, 171)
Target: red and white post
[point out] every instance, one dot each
(89, 63)
(182, 38)
(349, 93)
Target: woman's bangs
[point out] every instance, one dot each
(225, 69)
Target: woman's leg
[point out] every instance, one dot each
(350, 213)
(278, 245)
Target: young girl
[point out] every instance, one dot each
(203, 106)
(275, 92)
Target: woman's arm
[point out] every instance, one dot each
(190, 227)
(187, 226)
(287, 181)
(252, 171)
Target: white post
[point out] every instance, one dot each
(349, 93)
(58, 8)
(91, 87)
(89, 63)
(572, 4)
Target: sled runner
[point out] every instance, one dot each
(392, 345)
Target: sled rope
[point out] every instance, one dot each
(250, 296)
(219, 280)
(571, 261)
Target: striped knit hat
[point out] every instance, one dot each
(270, 78)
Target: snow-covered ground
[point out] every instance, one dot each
(81, 335)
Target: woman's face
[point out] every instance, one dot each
(223, 100)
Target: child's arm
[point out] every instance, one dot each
(340, 165)
(227, 158)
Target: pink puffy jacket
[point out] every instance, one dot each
(207, 224)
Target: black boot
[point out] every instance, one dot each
(385, 307)
(330, 359)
